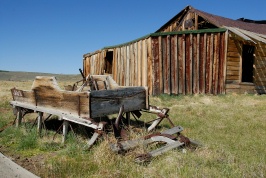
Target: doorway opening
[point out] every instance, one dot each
(247, 63)
(109, 62)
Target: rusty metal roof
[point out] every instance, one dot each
(222, 21)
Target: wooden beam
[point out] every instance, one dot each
(39, 123)
(19, 117)
(65, 130)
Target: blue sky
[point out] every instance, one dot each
(52, 35)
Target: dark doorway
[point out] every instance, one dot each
(247, 63)
(109, 62)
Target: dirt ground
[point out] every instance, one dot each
(33, 164)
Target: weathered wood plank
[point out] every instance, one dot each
(203, 54)
(144, 63)
(233, 68)
(127, 65)
(174, 65)
(180, 62)
(139, 63)
(196, 57)
(183, 65)
(168, 66)
(233, 59)
(132, 98)
(155, 56)
(208, 65)
(165, 64)
(216, 63)
(161, 81)
(150, 65)
(232, 78)
(235, 64)
(233, 54)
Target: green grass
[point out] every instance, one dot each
(232, 129)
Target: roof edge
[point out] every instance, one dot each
(214, 30)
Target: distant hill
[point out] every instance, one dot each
(26, 76)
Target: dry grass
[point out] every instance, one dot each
(232, 129)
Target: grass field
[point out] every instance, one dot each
(232, 129)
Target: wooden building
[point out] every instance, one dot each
(193, 53)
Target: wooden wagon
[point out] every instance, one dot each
(98, 96)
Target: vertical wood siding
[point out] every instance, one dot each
(190, 63)
(260, 68)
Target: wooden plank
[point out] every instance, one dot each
(180, 62)
(207, 87)
(232, 78)
(260, 72)
(260, 63)
(233, 68)
(187, 65)
(211, 64)
(164, 65)
(39, 122)
(216, 63)
(131, 65)
(191, 64)
(201, 65)
(228, 72)
(155, 56)
(260, 58)
(184, 64)
(132, 98)
(233, 59)
(139, 63)
(239, 33)
(196, 56)
(144, 63)
(127, 65)
(19, 117)
(136, 64)
(167, 67)
(65, 130)
(174, 65)
(262, 54)
(234, 64)
(114, 64)
(160, 66)
(150, 63)
(233, 54)
(253, 35)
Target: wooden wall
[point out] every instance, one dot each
(260, 68)
(189, 63)
(234, 68)
(172, 63)
(94, 63)
(234, 51)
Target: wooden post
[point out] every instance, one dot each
(65, 130)
(39, 124)
(128, 117)
(19, 117)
